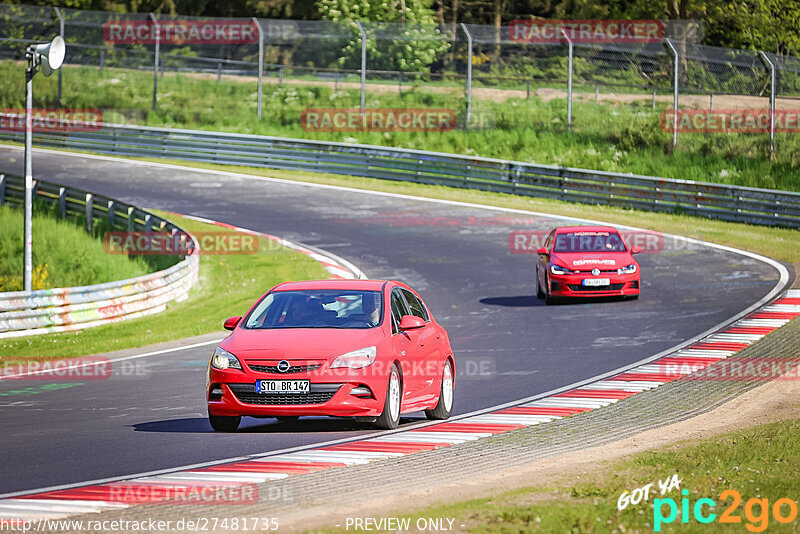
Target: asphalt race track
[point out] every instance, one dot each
(508, 344)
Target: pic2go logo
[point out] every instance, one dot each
(783, 510)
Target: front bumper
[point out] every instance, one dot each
(571, 285)
(232, 392)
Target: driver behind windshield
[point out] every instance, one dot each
(305, 312)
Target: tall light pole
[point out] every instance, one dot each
(49, 57)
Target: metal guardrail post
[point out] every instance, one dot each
(675, 88)
(157, 28)
(469, 71)
(569, 80)
(61, 33)
(2, 189)
(260, 63)
(771, 66)
(131, 218)
(62, 202)
(112, 206)
(363, 65)
(89, 211)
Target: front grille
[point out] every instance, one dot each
(319, 394)
(292, 369)
(610, 287)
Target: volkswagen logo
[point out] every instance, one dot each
(595, 271)
(283, 366)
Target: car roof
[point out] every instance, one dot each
(564, 229)
(340, 283)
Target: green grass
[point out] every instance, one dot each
(760, 462)
(228, 285)
(64, 255)
(612, 137)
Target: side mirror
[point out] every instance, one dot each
(231, 322)
(636, 250)
(541, 251)
(410, 322)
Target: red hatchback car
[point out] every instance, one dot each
(368, 349)
(587, 261)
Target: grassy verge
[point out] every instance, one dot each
(228, 285)
(758, 463)
(614, 137)
(64, 255)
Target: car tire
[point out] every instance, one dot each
(444, 408)
(224, 423)
(548, 299)
(390, 417)
(539, 292)
(288, 419)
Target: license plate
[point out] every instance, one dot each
(596, 281)
(282, 386)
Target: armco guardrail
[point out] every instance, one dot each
(718, 201)
(24, 313)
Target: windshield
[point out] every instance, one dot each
(317, 309)
(589, 241)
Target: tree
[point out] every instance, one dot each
(401, 34)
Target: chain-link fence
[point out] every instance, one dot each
(468, 63)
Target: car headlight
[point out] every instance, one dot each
(222, 359)
(356, 359)
(557, 269)
(630, 269)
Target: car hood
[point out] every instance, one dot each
(586, 261)
(299, 343)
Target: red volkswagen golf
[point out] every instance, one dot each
(368, 349)
(587, 261)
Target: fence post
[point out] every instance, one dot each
(569, 80)
(157, 52)
(260, 63)
(711, 103)
(2, 189)
(771, 66)
(675, 88)
(363, 65)
(219, 72)
(596, 94)
(469, 72)
(102, 58)
(61, 33)
(62, 202)
(112, 208)
(89, 211)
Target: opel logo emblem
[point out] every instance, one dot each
(283, 366)
(595, 271)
